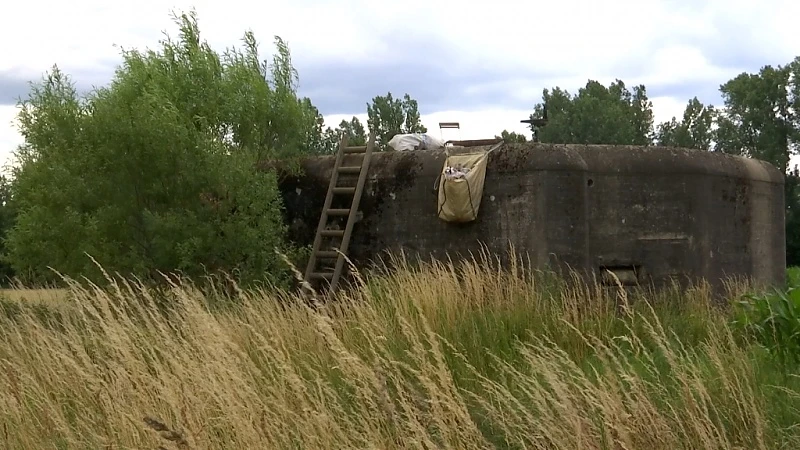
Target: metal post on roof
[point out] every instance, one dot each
(537, 123)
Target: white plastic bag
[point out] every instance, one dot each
(456, 172)
(415, 141)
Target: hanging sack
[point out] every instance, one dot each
(461, 186)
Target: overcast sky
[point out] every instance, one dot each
(483, 64)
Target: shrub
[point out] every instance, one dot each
(773, 318)
(156, 172)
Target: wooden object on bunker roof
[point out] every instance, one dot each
(349, 198)
(475, 142)
(448, 125)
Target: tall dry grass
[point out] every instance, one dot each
(437, 356)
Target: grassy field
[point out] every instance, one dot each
(46, 296)
(435, 357)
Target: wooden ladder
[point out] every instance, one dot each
(313, 270)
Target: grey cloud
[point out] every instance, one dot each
(340, 89)
(441, 78)
(12, 88)
(15, 87)
(708, 93)
(437, 77)
(438, 81)
(346, 89)
(740, 56)
(431, 73)
(735, 47)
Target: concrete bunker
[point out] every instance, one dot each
(649, 214)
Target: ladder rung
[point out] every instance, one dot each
(351, 169)
(344, 190)
(332, 233)
(338, 212)
(327, 254)
(321, 275)
(351, 150)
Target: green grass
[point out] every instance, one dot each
(429, 357)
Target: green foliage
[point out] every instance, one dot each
(759, 119)
(512, 137)
(388, 116)
(793, 276)
(597, 115)
(356, 135)
(156, 172)
(792, 198)
(354, 129)
(315, 140)
(693, 131)
(773, 319)
(7, 220)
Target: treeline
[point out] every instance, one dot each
(156, 172)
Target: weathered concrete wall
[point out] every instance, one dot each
(668, 213)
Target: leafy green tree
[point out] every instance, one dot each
(693, 131)
(388, 116)
(354, 129)
(312, 122)
(759, 119)
(792, 182)
(597, 115)
(792, 198)
(511, 136)
(7, 220)
(356, 135)
(330, 141)
(793, 94)
(156, 172)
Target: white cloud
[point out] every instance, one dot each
(665, 108)
(641, 41)
(683, 63)
(9, 134)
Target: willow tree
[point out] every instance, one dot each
(155, 172)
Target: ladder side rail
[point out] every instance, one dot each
(348, 231)
(323, 219)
